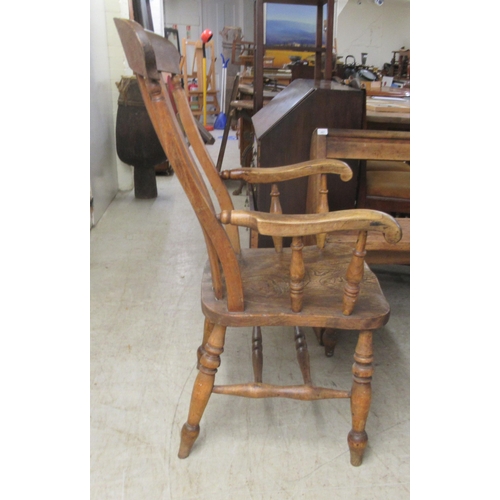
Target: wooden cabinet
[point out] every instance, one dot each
(283, 130)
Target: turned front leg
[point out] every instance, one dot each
(209, 362)
(362, 371)
(207, 330)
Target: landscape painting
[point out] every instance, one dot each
(290, 25)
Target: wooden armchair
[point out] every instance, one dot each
(297, 286)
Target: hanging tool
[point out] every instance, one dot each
(206, 36)
(220, 123)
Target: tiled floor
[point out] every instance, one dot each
(146, 262)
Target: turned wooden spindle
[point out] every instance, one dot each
(303, 355)
(257, 358)
(354, 275)
(322, 208)
(362, 371)
(297, 273)
(209, 362)
(276, 209)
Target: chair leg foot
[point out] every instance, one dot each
(319, 334)
(189, 433)
(357, 443)
(327, 337)
(330, 339)
(204, 383)
(362, 371)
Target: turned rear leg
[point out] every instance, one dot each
(257, 357)
(328, 338)
(362, 371)
(208, 364)
(303, 355)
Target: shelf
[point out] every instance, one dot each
(294, 48)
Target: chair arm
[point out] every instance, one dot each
(309, 224)
(278, 174)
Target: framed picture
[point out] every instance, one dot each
(290, 25)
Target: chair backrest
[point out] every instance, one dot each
(155, 62)
(365, 145)
(149, 56)
(362, 145)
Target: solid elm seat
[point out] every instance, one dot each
(266, 285)
(314, 286)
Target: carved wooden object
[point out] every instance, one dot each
(296, 287)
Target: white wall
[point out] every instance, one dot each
(107, 65)
(103, 174)
(377, 30)
(185, 13)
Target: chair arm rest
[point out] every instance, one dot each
(278, 174)
(309, 224)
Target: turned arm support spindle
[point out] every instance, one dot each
(322, 208)
(276, 209)
(354, 275)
